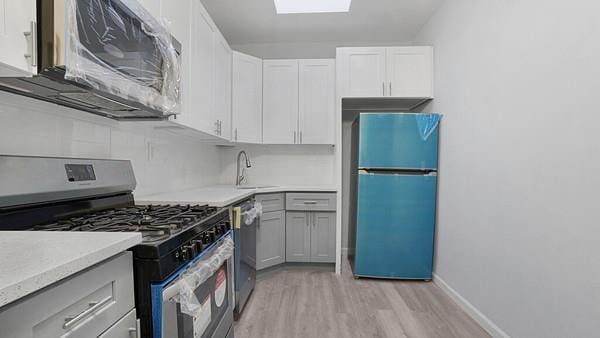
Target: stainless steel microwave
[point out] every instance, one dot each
(107, 57)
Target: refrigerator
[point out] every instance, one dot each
(393, 195)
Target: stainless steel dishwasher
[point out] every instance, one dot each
(245, 220)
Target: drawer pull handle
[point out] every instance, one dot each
(94, 306)
(310, 202)
(135, 332)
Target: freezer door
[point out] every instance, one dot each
(395, 226)
(394, 141)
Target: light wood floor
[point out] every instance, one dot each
(309, 302)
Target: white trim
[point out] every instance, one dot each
(486, 323)
(338, 160)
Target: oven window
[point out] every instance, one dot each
(211, 305)
(113, 34)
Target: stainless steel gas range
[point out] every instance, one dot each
(183, 268)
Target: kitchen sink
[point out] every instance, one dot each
(252, 187)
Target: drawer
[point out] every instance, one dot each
(84, 305)
(126, 327)
(271, 202)
(310, 201)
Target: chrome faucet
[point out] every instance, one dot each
(240, 177)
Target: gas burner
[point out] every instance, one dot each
(155, 222)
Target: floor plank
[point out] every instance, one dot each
(313, 302)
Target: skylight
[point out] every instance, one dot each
(312, 6)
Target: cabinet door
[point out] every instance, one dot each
(177, 19)
(297, 237)
(153, 6)
(126, 327)
(322, 237)
(270, 240)
(362, 72)
(247, 99)
(280, 102)
(223, 60)
(17, 17)
(317, 102)
(83, 305)
(200, 113)
(410, 71)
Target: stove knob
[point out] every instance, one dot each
(205, 239)
(183, 255)
(191, 250)
(226, 226)
(218, 230)
(213, 235)
(199, 245)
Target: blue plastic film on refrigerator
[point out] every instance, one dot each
(395, 226)
(395, 141)
(427, 124)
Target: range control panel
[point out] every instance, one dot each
(80, 172)
(201, 242)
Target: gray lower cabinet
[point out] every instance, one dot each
(297, 237)
(310, 237)
(127, 326)
(322, 237)
(85, 305)
(270, 239)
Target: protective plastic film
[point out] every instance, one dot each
(250, 215)
(199, 273)
(427, 123)
(118, 47)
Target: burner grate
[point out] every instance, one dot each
(155, 222)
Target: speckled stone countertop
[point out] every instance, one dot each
(224, 195)
(32, 260)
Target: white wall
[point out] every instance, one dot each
(282, 164)
(161, 160)
(518, 233)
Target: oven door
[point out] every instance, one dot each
(197, 301)
(118, 47)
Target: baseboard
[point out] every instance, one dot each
(347, 251)
(471, 310)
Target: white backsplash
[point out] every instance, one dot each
(282, 164)
(162, 161)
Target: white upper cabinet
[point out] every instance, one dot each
(18, 38)
(199, 113)
(316, 122)
(410, 71)
(280, 102)
(298, 101)
(362, 71)
(206, 68)
(223, 64)
(400, 72)
(247, 99)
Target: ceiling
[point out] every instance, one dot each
(255, 21)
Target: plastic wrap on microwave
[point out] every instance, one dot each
(118, 47)
(199, 273)
(427, 123)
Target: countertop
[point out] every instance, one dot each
(32, 260)
(224, 195)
